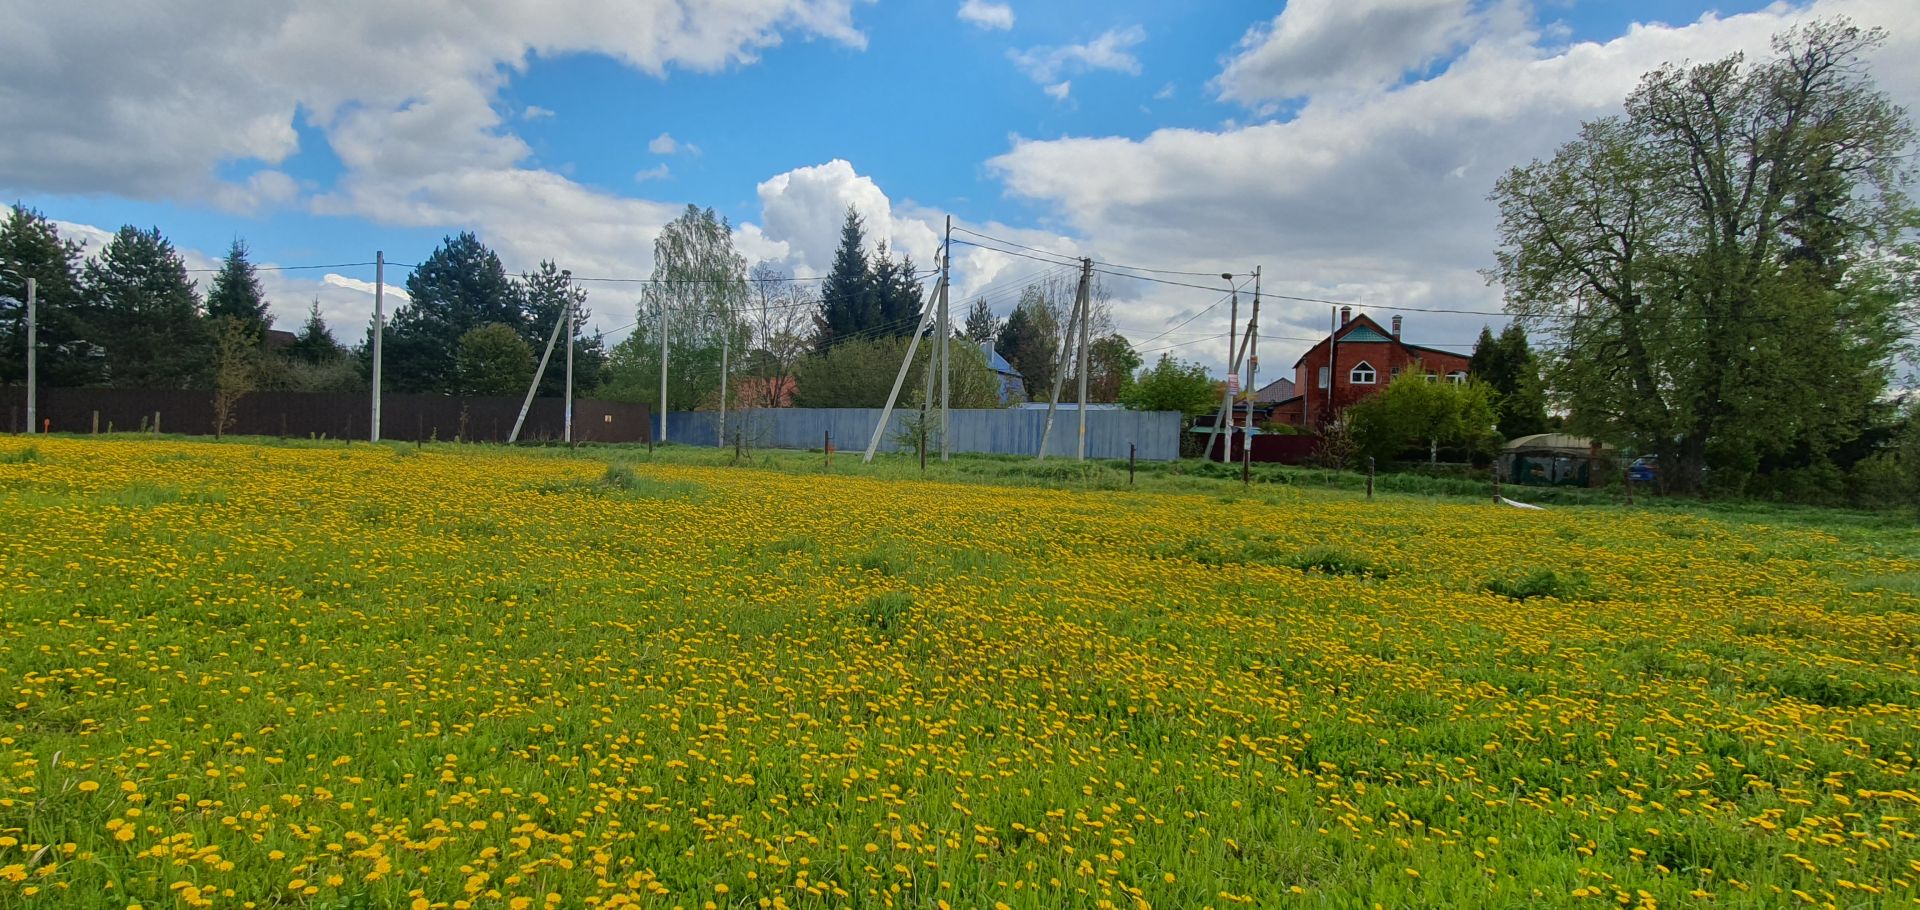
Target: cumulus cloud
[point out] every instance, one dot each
(150, 104)
(1378, 198)
(1317, 46)
(663, 144)
(536, 112)
(987, 14)
(1113, 50)
(803, 209)
(657, 172)
(1059, 90)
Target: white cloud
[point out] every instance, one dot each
(536, 112)
(1377, 198)
(150, 104)
(1317, 46)
(663, 144)
(1110, 51)
(1059, 90)
(657, 172)
(987, 14)
(803, 209)
(1165, 92)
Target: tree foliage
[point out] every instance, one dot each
(31, 247)
(1111, 362)
(848, 303)
(236, 367)
(1715, 263)
(460, 287)
(1413, 411)
(314, 343)
(237, 294)
(145, 313)
(1029, 340)
(1172, 385)
(1506, 364)
(981, 324)
(549, 291)
(700, 284)
(493, 360)
(859, 373)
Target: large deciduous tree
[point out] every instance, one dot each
(1713, 264)
(143, 310)
(700, 283)
(1172, 385)
(1415, 411)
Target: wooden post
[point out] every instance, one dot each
(1626, 480)
(1369, 476)
(156, 423)
(826, 447)
(1496, 481)
(96, 423)
(1246, 458)
(1131, 449)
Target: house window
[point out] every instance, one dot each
(1432, 376)
(1362, 374)
(1323, 377)
(1457, 377)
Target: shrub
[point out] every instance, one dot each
(1542, 583)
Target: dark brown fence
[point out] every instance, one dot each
(334, 415)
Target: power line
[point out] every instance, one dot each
(1133, 268)
(292, 268)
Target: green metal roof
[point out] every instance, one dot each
(1363, 334)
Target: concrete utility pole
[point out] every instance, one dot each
(1225, 420)
(900, 379)
(946, 336)
(538, 372)
(1253, 358)
(566, 424)
(33, 357)
(663, 369)
(379, 329)
(726, 340)
(1086, 323)
(1333, 358)
(1060, 368)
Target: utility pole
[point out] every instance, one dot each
(726, 339)
(946, 336)
(566, 424)
(1060, 369)
(33, 357)
(1253, 364)
(663, 368)
(534, 386)
(1086, 322)
(1225, 420)
(379, 329)
(900, 379)
(1333, 357)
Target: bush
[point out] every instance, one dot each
(1543, 583)
(886, 613)
(1335, 561)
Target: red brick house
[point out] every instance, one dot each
(1358, 359)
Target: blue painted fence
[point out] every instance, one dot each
(1001, 431)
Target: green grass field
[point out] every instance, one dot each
(316, 675)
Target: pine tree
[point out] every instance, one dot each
(461, 287)
(237, 294)
(898, 294)
(146, 314)
(30, 246)
(848, 303)
(548, 291)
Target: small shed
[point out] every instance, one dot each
(1555, 460)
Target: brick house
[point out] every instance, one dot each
(1358, 359)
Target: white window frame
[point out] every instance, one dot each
(1432, 376)
(1363, 367)
(1323, 377)
(1457, 377)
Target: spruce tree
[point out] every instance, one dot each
(315, 342)
(236, 294)
(981, 324)
(847, 299)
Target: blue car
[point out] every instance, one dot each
(1644, 470)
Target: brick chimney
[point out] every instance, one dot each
(1396, 328)
(1346, 313)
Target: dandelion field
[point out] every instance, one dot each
(262, 676)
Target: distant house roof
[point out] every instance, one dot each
(1553, 442)
(1277, 390)
(1013, 387)
(278, 339)
(996, 362)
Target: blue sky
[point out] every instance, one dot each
(1346, 147)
